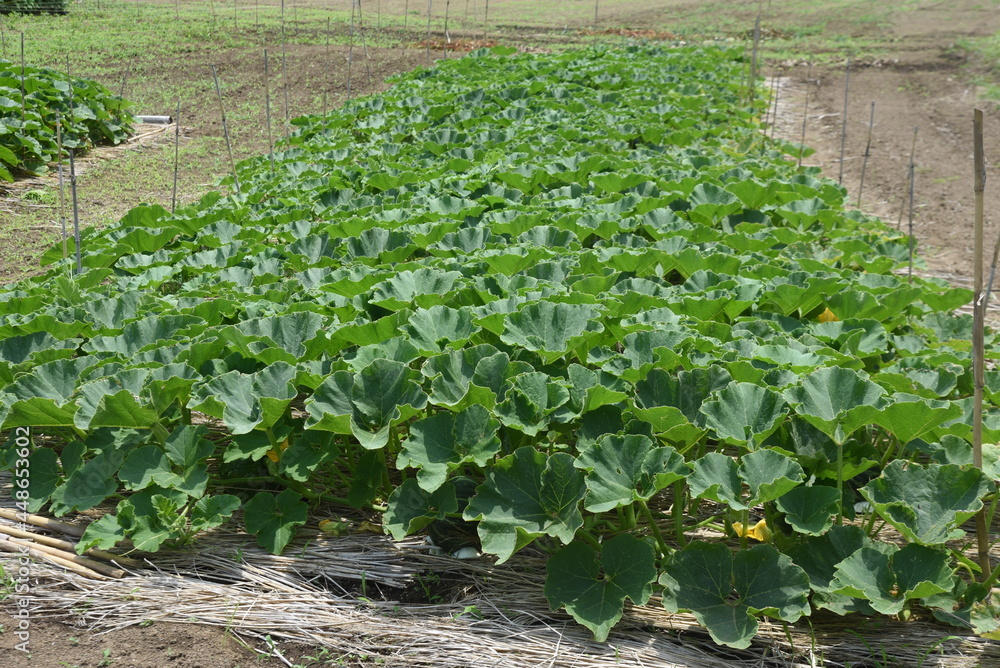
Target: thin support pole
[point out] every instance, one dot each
(486, 17)
(225, 128)
(284, 85)
(177, 149)
(267, 107)
(978, 327)
(76, 212)
(843, 126)
(805, 114)
(364, 44)
(62, 189)
(868, 147)
(430, 4)
(350, 53)
(912, 173)
(447, 37)
(753, 61)
(326, 68)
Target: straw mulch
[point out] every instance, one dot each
(345, 593)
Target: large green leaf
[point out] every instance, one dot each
(443, 442)
(726, 592)
(552, 329)
(888, 577)
(248, 401)
(531, 401)
(927, 503)
(527, 495)
(744, 413)
(384, 393)
(624, 469)
(837, 401)
(410, 508)
(593, 587)
(273, 518)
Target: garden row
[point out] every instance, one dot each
(577, 299)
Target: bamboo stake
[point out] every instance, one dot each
(868, 146)
(76, 212)
(326, 68)
(364, 44)
(267, 107)
(225, 129)
(429, 6)
(40, 521)
(284, 84)
(486, 17)
(843, 125)
(753, 61)
(805, 114)
(177, 145)
(62, 196)
(72, 175)
(406, 13)
(978, 326)
(350, 52)
(912, 173)
(447, 37)
(22, 90)
(69, 546)
(775, 91)
(8, 546)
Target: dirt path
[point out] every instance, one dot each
(924, 85)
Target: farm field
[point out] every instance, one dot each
(573, 307)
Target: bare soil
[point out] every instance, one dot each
(923, 85)
(923, 82)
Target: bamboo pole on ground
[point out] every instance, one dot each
(68, 546)
(978, 326)
(40, 521)
(58, 560)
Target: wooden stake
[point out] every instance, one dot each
(868, 146)
(177, 146)
(486, 17)
(350, 52)
(406, 13)
(805, 114)
(843, 125)
(267, 107)
(225, 129)
(912, 173)
(978, 327)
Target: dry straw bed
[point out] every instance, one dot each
(348, 593)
